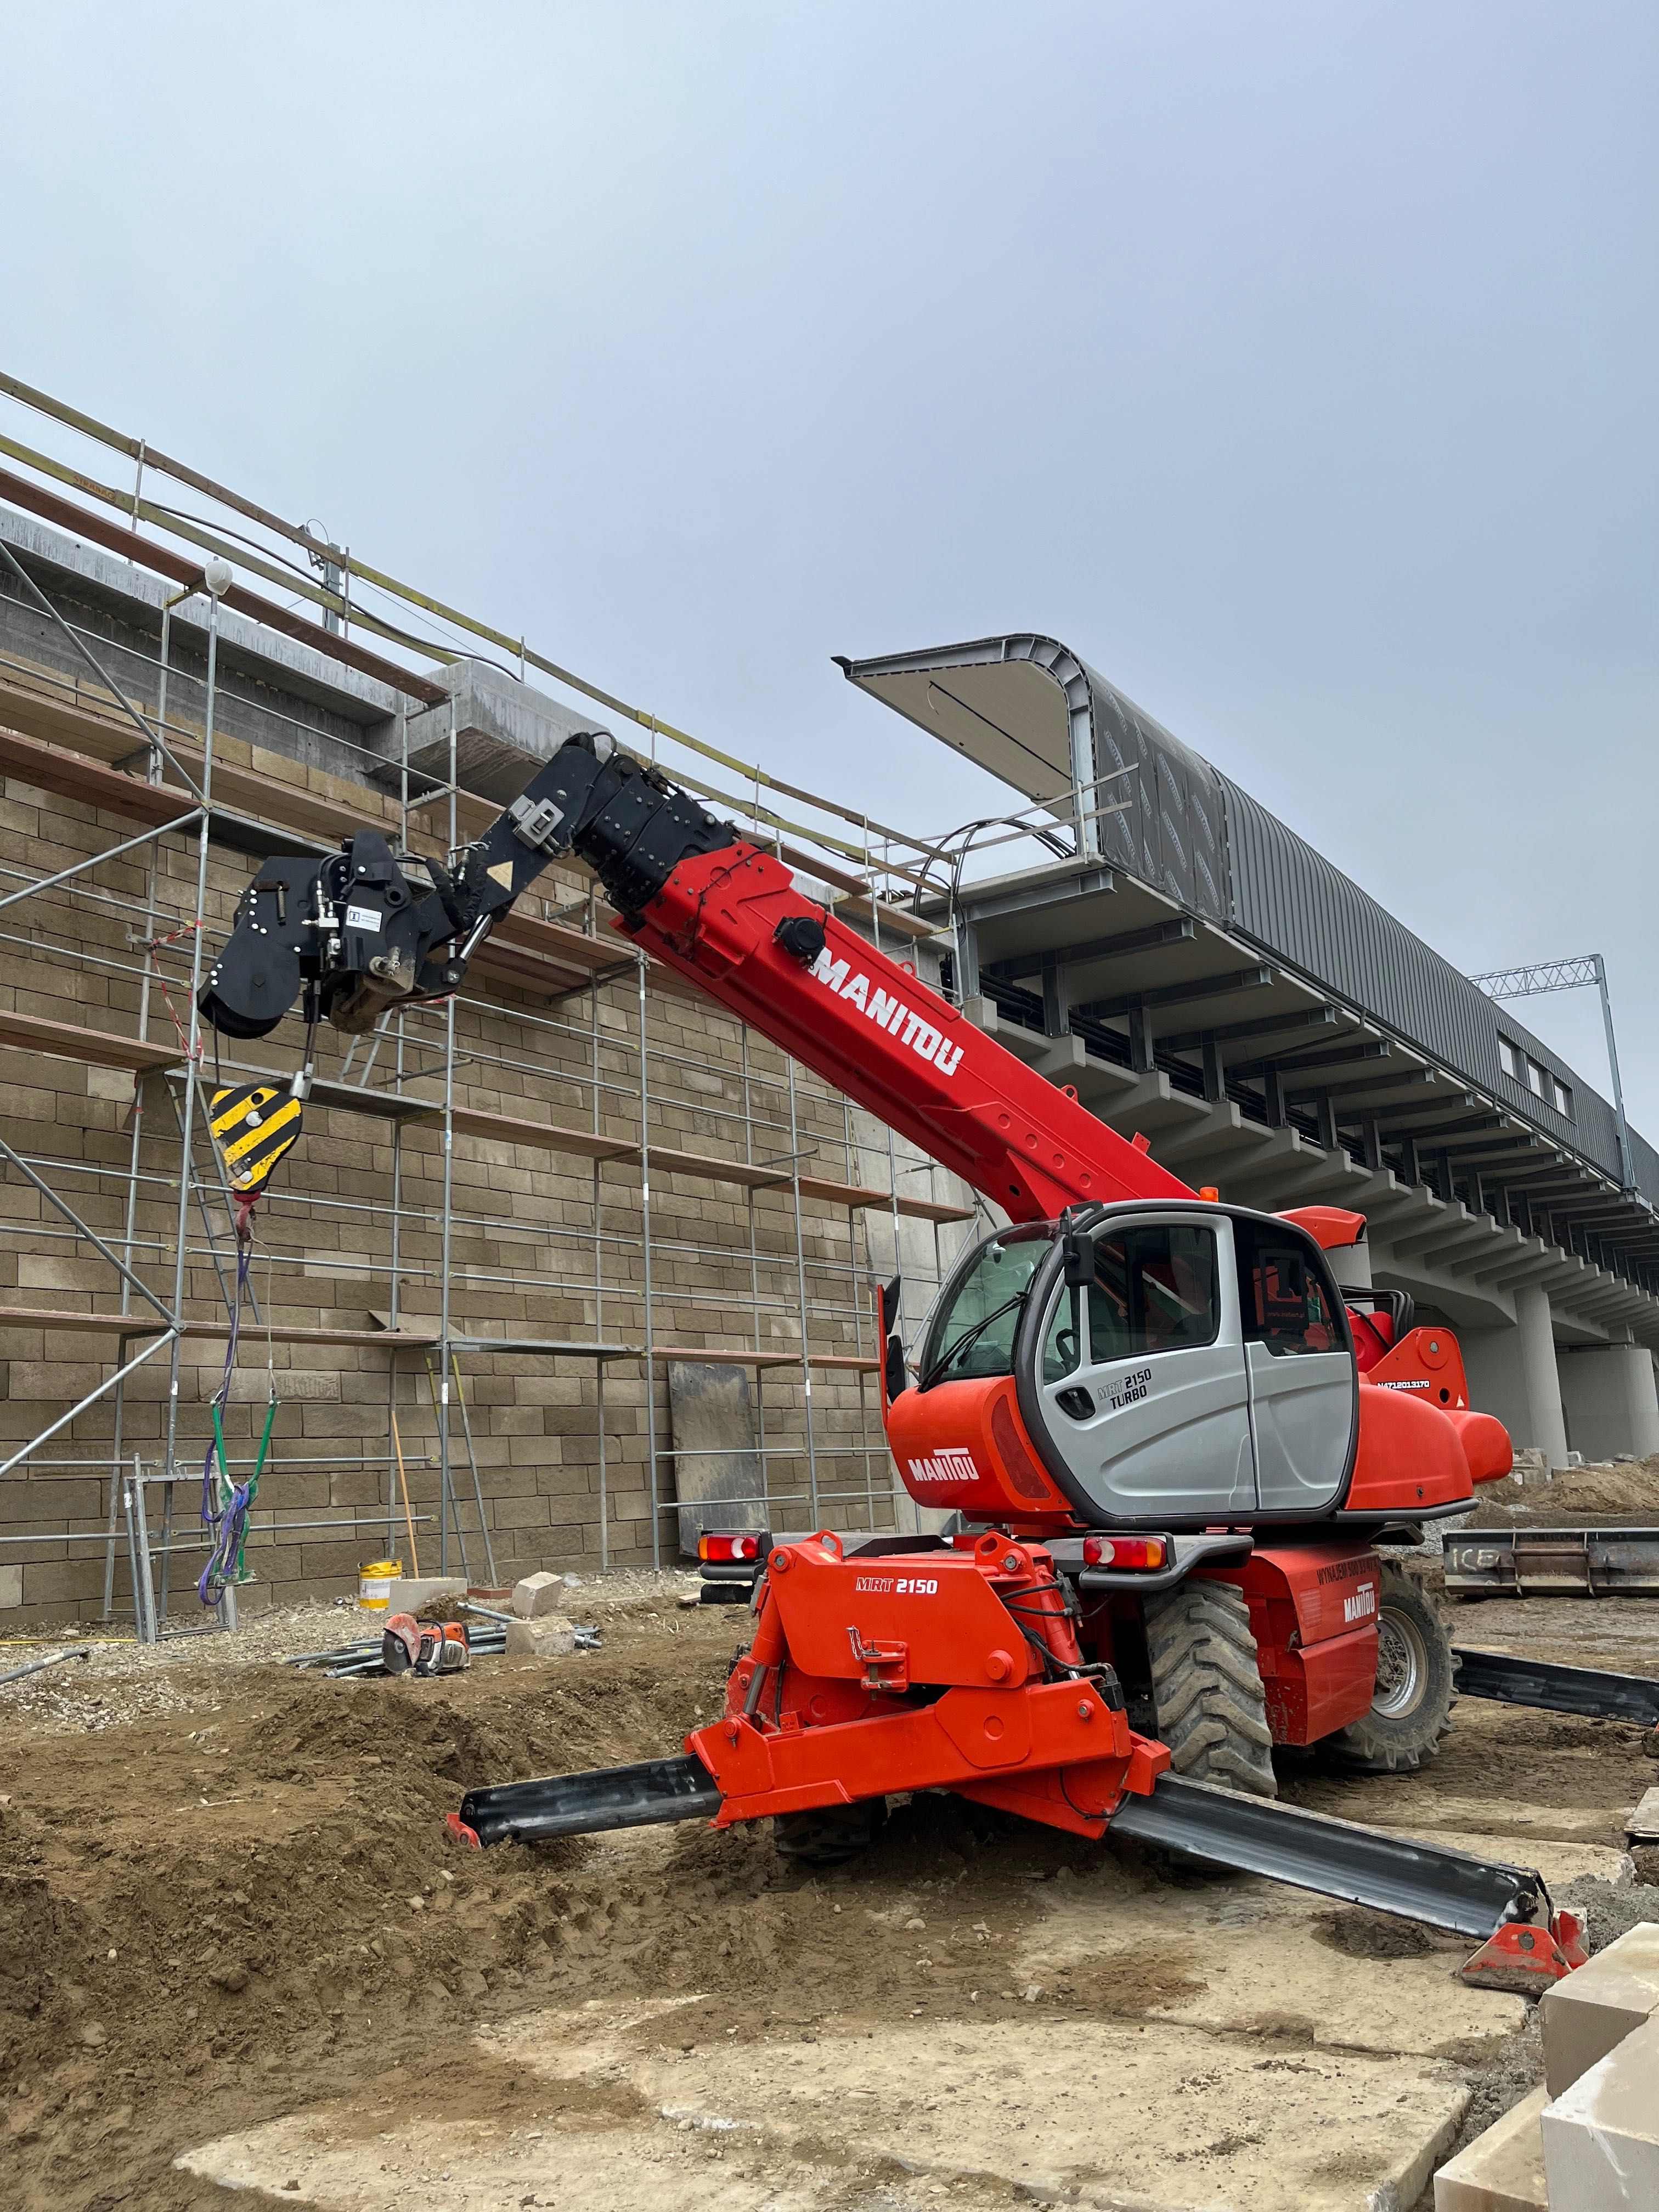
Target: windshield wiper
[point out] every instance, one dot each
(969, 1336)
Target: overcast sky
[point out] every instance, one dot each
(1293, 364)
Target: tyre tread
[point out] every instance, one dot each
(1206, 1685)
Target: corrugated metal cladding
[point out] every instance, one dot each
(1172, 833)
(1194, 835)
(1293, 901)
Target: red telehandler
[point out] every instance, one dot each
(1171, 1445)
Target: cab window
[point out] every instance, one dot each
(1283, 1298)
(1061, 1348)
(1155, 1289)
(972, 1332)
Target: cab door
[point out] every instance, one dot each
(1303, 1381)
(1144, 1387)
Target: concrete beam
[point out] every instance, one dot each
(1285, 1155)
(1537, 1261)
(1151, 1105)
(1224, 1134)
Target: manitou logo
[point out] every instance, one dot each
(888, 1013)
(1361, 1604)
(951, 1465)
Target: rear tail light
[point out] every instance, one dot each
(1128, 1551)
(732, 1550)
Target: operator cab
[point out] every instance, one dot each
(1174, 1363)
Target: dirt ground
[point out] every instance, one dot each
(228, 1904)
(1624, 1491)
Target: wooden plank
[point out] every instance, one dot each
(92, 1047)
(149, 1324)
(144, 1323)
(662, 1354)
(711, 1168)
(543, 1136)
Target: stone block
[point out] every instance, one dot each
(1642, 1826)
(549, 1636)
(537, 1594)
(1602, 2137)
(1586, 2015)
(1503, 2169)
(411, 1592)
(11, 1586)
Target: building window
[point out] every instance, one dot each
(1538, 1080)
(1563, 1100)
(1508, 1058)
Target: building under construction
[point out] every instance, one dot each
(560, 1257)
(552, 1258)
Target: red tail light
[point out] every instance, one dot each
(729, 1551)
(1128, 1551)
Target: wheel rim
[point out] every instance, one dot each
(1402, 1665)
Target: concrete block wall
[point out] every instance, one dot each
(542, 1246)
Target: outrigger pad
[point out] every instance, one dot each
(1527, 1960)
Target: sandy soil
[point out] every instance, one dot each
(1620, 1492)
(227, 1898)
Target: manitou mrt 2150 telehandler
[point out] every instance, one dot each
(1171, 1445)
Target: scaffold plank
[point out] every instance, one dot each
(92, 1047)
(663, 1354)
(138, 1324)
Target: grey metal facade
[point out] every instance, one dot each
(1190, 833)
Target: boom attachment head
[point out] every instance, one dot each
(369, 927)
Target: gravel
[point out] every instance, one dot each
(124, 1680)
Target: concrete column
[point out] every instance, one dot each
(1547, 1428)
(1494, 1363)
(1609, 1396)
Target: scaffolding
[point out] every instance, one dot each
(613, 1279)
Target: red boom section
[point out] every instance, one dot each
(869, 1025)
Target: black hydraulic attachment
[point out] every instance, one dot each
(368, 927)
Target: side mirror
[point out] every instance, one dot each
(898, 1381)
(1079, 1260)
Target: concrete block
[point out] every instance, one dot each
(549, 1636)
(11, 1586)
(1602, 2137)
(1586, 2015)
(537, 1593)
(1642, 1826)
(1501, 2171)
(411, 1592)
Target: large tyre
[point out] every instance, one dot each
(1412, 1709)
(1211, 1704)
(830, 1833)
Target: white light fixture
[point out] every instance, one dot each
(218, 576)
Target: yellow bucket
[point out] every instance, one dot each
(375, 1583)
